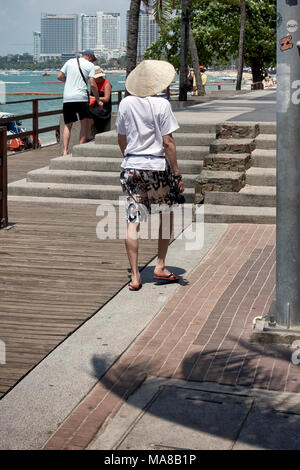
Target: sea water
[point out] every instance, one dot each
(24, 82)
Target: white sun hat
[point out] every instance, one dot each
(99, 72)
(150, 77)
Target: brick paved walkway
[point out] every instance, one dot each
(201, 334)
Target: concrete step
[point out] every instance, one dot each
(181, 138)
(250, 196)
(192, 152)
(188, 127)
(267, 127)
(264, 158)
(77, 191)
(265, 141)
(239, 214)
(110, 178)
(112, 164)
(256, 176)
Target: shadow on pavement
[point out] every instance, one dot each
(184, 417)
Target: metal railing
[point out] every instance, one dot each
(3, 179)
(35, 115)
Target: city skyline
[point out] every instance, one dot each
(64, 35)
(16, 32)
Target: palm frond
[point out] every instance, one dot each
(162, 9)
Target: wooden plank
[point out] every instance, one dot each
(55, 274)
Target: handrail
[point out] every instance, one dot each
(3, 178)
(35, 115)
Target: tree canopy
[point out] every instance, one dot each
(216, 28)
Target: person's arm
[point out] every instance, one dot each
(122, 141)
(61, 77)
(107, 91)
(94, 90)
(170, 150)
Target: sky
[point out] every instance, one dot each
(20, 18)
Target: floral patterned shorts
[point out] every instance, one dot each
(146, 191)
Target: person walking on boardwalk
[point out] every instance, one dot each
(75, 74)
(149, 170)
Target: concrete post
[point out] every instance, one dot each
(287, 310)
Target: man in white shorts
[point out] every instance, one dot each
(76, 73)
(145, 124)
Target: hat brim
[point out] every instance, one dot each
(101, 75)
(149, 78)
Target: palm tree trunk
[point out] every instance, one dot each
(184, 46)
(241, 45)
(195, 62)
(132, 35)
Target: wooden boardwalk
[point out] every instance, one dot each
(55, 274)
(20, 163)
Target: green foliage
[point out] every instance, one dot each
(25, 62)
(216, 28)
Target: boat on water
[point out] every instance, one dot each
(13, 127)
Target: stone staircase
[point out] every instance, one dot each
(238, 180)
(92, 171)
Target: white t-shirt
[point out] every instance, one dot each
(145, 121)
(75, 88)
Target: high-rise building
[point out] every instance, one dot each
(36, 46)
(109, 30)
(88, 32)
(59, 35)
(148, 31)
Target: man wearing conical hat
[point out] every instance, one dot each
(150, 175)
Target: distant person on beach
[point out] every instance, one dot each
(76, 73)
(150, 170)
(203, 78)
(190, 80)
(268, 82)
(101, 114)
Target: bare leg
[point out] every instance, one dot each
(84, 130)
(132, 248)
(66, 137)
(89, 133)
(163, 243)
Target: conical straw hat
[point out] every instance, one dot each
(150, 77)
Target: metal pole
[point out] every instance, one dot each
(35, 112)
(288, 164)
(3, 178)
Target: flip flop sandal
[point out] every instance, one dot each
(171, 277)
(133, 288)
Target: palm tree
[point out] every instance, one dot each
(161, 10)
(241, 45)
(195, 62)
(132, 34)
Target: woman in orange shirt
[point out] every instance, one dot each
(101, 114)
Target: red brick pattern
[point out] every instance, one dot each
(201, 334)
